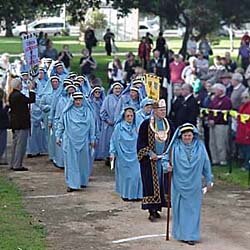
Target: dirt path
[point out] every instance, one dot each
(96, 217)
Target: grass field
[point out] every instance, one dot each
(18, 230)
(14, 45)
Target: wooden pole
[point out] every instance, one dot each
(169, 174)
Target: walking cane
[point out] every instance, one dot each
(169, 174)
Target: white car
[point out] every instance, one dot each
(51, 25)
(144, 28)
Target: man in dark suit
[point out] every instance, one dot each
(189, 108)
(19, 122)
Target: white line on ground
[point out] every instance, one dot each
(47, 196)
(138, 238)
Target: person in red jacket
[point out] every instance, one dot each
(144, 50)
(243, 130)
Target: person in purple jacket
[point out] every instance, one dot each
(218, 125)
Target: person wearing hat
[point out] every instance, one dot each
(57, 109)
(41, 80)
(128, 182)
(50, 94)
(72, 76)
(107, 113)
(25, 83)
(37, 143)
(84, 86)
(144, 112)
(187, 158)
(219, 125)
(226, 80)
(132, 99)
(20, 122)
(76, 130)
(153, 138)
(60, 70)
(96, 99)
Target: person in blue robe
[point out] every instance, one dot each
(83, 85)
(187, 158)
(50, 93)
(37, 143)
(41, 81)
(76, 129)
(132, 99)
(107, 116)
(153, 138)
(137, 83)
(96, 99)
(123, 150)
(57, 109)
(144, 112)
(59, 70)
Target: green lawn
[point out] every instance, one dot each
(18, 230)
(236, 177)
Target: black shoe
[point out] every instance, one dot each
(107, 162)
(20, 169)
(71, 189)
(125, 199)
(189, 242)
(151, 218)
(83, 186)
(157, 215)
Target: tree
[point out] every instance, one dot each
(197, 16)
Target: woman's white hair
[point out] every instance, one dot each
(220, 87)
(15, 83)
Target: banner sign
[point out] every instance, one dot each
(30, 49)
(152, 85)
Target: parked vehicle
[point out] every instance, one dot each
(51, 25)
(145, 27)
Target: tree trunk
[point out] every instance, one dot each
(186, 23)
(8, 27)
(183, 50)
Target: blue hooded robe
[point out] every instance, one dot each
(125, 101)
(37, 142)
(127, 167)
(97, 104)
(190, 162)
(77, 130)
(49, 97)
(107, 115)
(140, 114)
